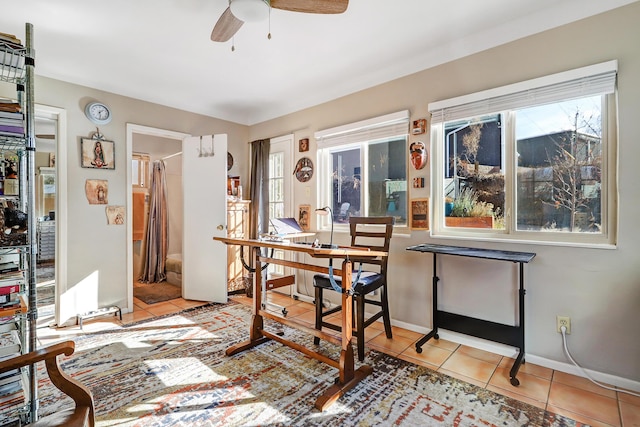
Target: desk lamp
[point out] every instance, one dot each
(327, 211)
(336, 287)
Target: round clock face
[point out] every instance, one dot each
(98, 113)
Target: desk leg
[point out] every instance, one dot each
(347, 378)
(257, 322)
(520, 358)
(434, 310)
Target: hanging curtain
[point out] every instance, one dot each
(157, 229)
(259, 218)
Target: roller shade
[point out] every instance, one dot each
(599, 79)
(387, 126)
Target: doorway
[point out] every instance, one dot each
(50, 175)
(156, 144)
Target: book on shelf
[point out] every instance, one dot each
(11, 115)
(10, 343)
(12, 287)
(10, 107)
(20, 309)
(9, 275)
(6, 267)
(11, 387)
(8, 298)
(16, 398)
(18, 130)
(12, 121)
(9, 377)
(8, 325)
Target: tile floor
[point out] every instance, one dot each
(558, 392)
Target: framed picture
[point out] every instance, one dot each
(304, 212)
(419, 214)
(98, 154)
(303, 145)
(419, 126)
(97, 191)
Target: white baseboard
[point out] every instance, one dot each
(512, 352)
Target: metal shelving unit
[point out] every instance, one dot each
(17, 65)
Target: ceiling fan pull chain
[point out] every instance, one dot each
(269, 35)
(233, 44)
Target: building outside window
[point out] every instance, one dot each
(535, 159)
(363, 168)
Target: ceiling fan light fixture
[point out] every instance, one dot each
(250, 10)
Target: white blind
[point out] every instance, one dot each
(387, 126)
(598, 79)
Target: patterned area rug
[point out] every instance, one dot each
(172, 371)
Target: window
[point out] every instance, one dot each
(140, 170)
(276, 200)
(533, 160)
(363, 168)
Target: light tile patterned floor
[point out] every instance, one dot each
(558, 392)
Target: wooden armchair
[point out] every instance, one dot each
(83, 413)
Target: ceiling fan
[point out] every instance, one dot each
(241, 11)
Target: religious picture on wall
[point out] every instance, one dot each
(98, 154)
(420, 214)
(115, 215)
(303, 216)
(97, 191)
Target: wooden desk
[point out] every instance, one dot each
(505, 334)
(348, 376)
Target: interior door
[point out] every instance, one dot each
(204, 180)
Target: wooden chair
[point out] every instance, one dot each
(83, 413)
(369, 281)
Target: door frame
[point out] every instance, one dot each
(140, 130)
(61, 248)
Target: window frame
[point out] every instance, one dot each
(605, 239)
(351, 136)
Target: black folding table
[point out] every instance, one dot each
(498, 332)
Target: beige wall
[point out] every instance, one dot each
(599, 289)
(96, 253)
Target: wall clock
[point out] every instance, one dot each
(304, 169)
(229, 161)
(98, 113)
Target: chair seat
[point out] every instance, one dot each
(367, 282)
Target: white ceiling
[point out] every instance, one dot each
(160, 51)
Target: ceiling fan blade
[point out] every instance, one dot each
(226, 27)
(311, 6)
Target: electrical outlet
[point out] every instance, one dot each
(563, 321)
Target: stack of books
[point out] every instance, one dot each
(12, 301)
(11, 118)
(12, 391)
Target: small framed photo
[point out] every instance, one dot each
(419, 214)
(98, 154)
(304, 213)
(419, 126)
(303, 145)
